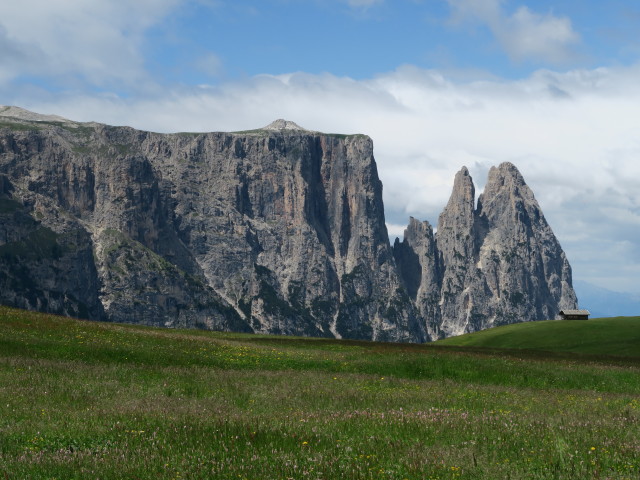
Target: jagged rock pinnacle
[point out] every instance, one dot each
(282, 124)
(495, 264)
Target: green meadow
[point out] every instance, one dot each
(618, 336)
(85, 400)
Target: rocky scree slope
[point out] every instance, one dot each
(276, 230)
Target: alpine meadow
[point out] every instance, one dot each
(82, 399)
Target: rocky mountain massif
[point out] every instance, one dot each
(277, 230)
(489, 265)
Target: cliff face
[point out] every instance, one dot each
(45, 266)
(420, 268)
(289, 226)
(278, 230)
(498, 263)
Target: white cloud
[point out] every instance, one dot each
(363, 3)
(17, 57)
(524, 34)
(527, 34)
(210, 64)
(396, 230)
(578, 151)
(489, 11)
(99, 42)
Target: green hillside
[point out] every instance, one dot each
(599, 336)
(86, 400)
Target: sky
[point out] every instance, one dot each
(551, 86)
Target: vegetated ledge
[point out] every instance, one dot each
(263, 133)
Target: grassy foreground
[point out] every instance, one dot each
(83, 400)
(601, 336)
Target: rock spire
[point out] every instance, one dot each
(498, 263)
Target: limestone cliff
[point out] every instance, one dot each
(278, 230)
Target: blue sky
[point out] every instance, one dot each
(203, 41)
(359, 41)
(552, 86)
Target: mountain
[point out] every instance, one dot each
(606, 303)
(495, 264)
(275, 230)
(278, 230)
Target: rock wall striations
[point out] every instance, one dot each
(277, 230)
(495, 264)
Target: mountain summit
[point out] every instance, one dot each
(281, 124)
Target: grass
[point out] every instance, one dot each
(601, 336)
(263, 132)
(98, 400)
(19, 126)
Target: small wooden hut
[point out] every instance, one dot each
(574, 314)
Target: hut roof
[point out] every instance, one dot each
(575, 312)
